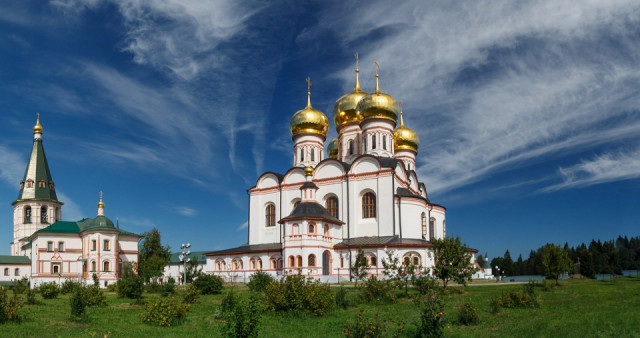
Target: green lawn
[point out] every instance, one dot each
(576, 308)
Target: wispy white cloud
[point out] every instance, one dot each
(137, 222)
(601, 169)
(492, 86)
(185, 211)
(71, 211)
(11, 166)
(243, 226)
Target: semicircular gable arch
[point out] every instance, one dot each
(294, 175)
(365, 164)
(329, 168)
(269, 180)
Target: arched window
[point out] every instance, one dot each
(253, 264)
(259, 263)
(416, 260)
(364, 142)
(332, 206)
(326, 230)
(279, 263)
(43, 215)
(341, 262)
(373, 261)
(42, 184)
(27, 214)
(312, 228)
(270, 215)
(350, 147)
(312, 260)
(29, 183)
(93, 266)
(16, 272)
(301, 154)
(384, 142)
(406, 260)
(432, 224)
(295, 229)
(373, 141)
(291, 262)
(6, 271)
(424, 226)
(369, 205)
(57, 214)
(313, 155)
(296, 203)
(299, 260)
(105, 266)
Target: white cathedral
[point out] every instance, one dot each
(47, 249)
(364, 195)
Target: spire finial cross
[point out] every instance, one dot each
(308, 84)
(100, 195)
(38, 116)
(377, 67)
(357, 61)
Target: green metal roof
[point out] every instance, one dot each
(199, 255)
(37, 169)
(99, 223)
(4, 259)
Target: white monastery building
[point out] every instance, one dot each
(46, 249)
(359, 192)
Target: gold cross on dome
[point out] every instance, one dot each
(377, 67)
(100, 195)
(308, 84)
(357, 61)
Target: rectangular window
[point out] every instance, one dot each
(94, 245)
(49, 246)
(56, 268)
(313, 155)
(61, 246)
(106, 245)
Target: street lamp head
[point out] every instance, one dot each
(182, 246)
(188, 245)
(188, 253)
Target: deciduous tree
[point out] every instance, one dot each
(153, 256)
(359, 268)
(452, 260)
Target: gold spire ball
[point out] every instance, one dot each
(332, 148)
(378, 105)
(100, 204)
(37, 129)
(405, 138)
(345, 109)
(309, 120)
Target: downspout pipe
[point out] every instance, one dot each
(248, 215)
(400, 213)
(393, 201)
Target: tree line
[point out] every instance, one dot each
(608, 257)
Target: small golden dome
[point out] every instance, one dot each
(405, 138)
(100, 204)
(309, 120)
(332, 148)
(345, 109)
(378, 105)
(37, 129)
(308, 171)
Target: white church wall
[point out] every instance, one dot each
(11, 272)
(411, 215)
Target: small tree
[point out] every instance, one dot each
(452, 260)
(555, 261)
(401, 272)
(359, 268)
(153, 257)
(130, 285)
(193, 269)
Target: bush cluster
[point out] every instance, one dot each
(425, 284)
(49, 290)
(10, 307)
(82, 297)
(190, 295)
(432, 319)
(375, 289)
(297, 293)
(69, 286)
(208, 284)
(31, 297)
(153, 287)
(468, 314)
(364, 326)
(241, 316)
(20, 285)
(166, 311)
(260, 281)
(130, 286)
(168, 288)
(341, 298)
(515, 298)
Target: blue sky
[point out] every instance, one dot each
(527, 112)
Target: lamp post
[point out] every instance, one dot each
(497, 273)
(183, 259)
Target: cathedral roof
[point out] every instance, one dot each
(5, 259)
(382, 241)
(404, 192)
(255, 248)
(87, 224)
(199, 255)
(311, 210)
(37, 170)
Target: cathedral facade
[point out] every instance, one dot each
(361, 191)
(46, 249)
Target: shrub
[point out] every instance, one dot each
(130, 286)
(168, 288)
(515, 298)
(455, 290)
(49, 290)
(153, 287)
(243, 319)
(228, 302)
(425, 284)
(468, 313)
(375, 289)
(93, 296)
(112, 287)
(364, 326)
(165, 311)
(530, 288)
(31, 297)
(495, 304)
(190, 295)
(78, 304)
(341, 298)
(296, 293)
(20, 285)
(10, 307)
(69, 286)
(260, 281)
(547, 285)
(208, 284)
(432, 319)
(96, 282)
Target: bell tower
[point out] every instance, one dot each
(37, 205)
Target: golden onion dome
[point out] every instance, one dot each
(308, 171)
(345, 109)
(405, 138)
(378, 105)
(37, 129)
(309, 120)
(332, 148)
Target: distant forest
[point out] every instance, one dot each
(610, 257)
